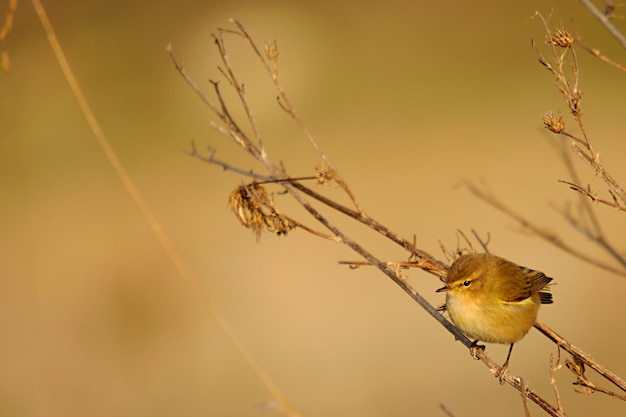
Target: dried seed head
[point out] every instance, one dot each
(279, 224)
(255, 211)
(246, 202)
(258, 191)
(237, 202)
(324, 174)
(257, 221)
(561, 38)
(554, 122)
(271, 50)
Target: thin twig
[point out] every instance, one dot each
(149, 216)
(593, 160)
(524, 393)
(7, 25)
(550, 237)
(240, 89)
(580, 147)
(595, 52)
(606, 21)
(584, 357)
(554, 367)
(423, 260)
(446, 411)
(298, 191)
(226, 166)
(286, 104)
(283, 96)
(586, 191)
(573, 96)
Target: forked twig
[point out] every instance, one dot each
(326, 173)
(542, 233)
(562, 51)
(606, 21)
(595, 52)
(582, 356)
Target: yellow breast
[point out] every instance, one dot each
(491, 320)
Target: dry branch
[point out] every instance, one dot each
(255, 146)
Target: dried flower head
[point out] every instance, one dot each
(271, 50)
(561, 38)
(279, 224)
(255, 211)
(554, 122)
(324, 174)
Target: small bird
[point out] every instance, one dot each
(494, 300)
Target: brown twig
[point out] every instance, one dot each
(285, 103)
(445, 410)
(524, 393)
(605, 19)
(8, 20)
(595, 52)
(149, 216)
(582, 356)
(573, 96)
(554, 367)
(516, 383)
(582, 148)
(326, 173)
(423, 259)
(593, 160)
(544, 234)
(586, 191)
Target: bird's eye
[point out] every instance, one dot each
(467, 283)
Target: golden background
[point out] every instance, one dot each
(408, 99)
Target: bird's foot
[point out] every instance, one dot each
(475, 348)
(502, 372)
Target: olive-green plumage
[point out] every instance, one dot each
(494, 300)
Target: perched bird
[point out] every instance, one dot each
(494, 300)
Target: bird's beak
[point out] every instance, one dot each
(442, 289)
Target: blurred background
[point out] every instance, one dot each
(408, 99)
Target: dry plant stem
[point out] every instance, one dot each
(592, 159)
(587, 192)
(150, 218)
(599, 238)
(240, 89)
(585, 203)
(554, 367)
(286, 105)
(606, 21)
(584, 357)
(272, 72)
(550, 237)
(595, 52)
(297, 191)
(445, 410)
(516, 382)
(422, 259)
(227, 167)
(292, 188)
(582, 148)
(8, 20)
(524, 392)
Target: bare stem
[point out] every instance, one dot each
(606, 21)
(301, 194)
(544, 234)
(584, 357)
